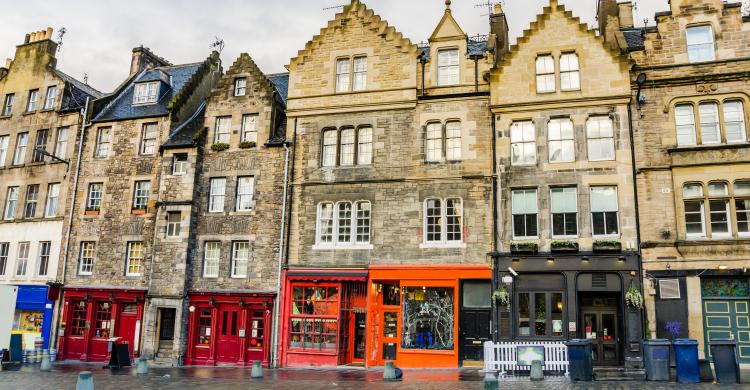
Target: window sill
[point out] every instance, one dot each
(695, 148)
(6, 116)
(27, 113)
(85, 274)
(238, 277)
(242, 212)
(536, 238)
(442, 245)
(564, 237)
(46, 110)
(318, 247)
(606, 236)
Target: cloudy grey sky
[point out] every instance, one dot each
(101, 33)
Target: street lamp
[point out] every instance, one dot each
(44, 152)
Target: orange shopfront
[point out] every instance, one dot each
(414, 313)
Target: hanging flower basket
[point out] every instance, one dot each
(502, 296)
(633, 297)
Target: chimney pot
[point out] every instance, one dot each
(8, 63)
(49, 33)
(27, 39)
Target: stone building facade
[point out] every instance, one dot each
(237, 212)
(567, 229)
(41, 108)
(390, 190)
(121, 273)
(690, 84)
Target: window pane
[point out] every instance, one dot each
(329, 148)
(363, 222)
(563, 200)
(223, 127)
(524, 315)
(719, 216)
(325, 223)
(453, 217)
(700, 43)
(453, 141)
(540, 315)
(717, 189)
(709, 115)
(743, 215)
(523, 143)
(694, 217)
(360, 73)
(344, 222)
(433, 226)
(685, 122)
(742, 188)
(601, 144)
(427, 318)
(347, 147)
(556, 308)
(603, 198)
(364, 147)
(342, 74)
(545, 74)
(448, 62)
(734, 121)
(434, 143)
(561, 141)
(692, 190)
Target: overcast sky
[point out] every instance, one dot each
(101, 33)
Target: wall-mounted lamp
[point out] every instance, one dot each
(621, 259)
(585, 259)
(550, 259)
(640, 98)
(723, 267)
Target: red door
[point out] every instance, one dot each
(99, 332)
(228, 341)
(126, 324)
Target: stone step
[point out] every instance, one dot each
(618, 374)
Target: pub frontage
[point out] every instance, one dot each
(557, 297)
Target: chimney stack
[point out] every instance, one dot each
(675, 5)
(498, 41)
(626, 14)
(37, 36)
(143, 59)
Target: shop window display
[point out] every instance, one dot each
(428, 318)
(204, 327)
(78, 322)
(314, 322)
(103, 316)
(256, 330)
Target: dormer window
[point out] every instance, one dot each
(700, 43)
(146, 93)
(240, 86)
(447, 67)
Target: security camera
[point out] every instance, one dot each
(512, 271)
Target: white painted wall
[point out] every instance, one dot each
(34, 233)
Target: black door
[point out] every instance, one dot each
(474, 319)
(601, 327)
(166, 329)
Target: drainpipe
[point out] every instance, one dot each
(84, 125)
(476, 72)
(423, 61)
(637, 213)
(282, 230)
(494, 253)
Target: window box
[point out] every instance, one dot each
(607, 246)
(524, 247)
(219, 146)
(247, 144)
(91, 212)
(138, 211)
(564, 246)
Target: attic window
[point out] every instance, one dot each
(240, 86)
(447, 67)
(146, 93)
(700, 43)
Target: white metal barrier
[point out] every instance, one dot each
(500, 357)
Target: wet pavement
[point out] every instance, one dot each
(64, 376)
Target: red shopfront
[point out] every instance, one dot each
(323, 318)
(92, 316)
(229, 328)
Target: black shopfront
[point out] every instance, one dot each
(557, 297)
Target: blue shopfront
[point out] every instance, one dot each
(33, 317)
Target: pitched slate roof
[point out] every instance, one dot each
(78, 92)
(474, 47)
(634, 38)
(183, 134)
(281, 83)
(122, 106)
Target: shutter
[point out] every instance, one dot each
(599, 280)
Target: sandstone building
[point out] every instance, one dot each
(40, 115)
(691, 88)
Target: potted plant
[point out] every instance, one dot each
(502, 296)
(564, 246)
(219, 146)
(138, 210)
(523, 247)
(92, 210)
(607, 246)
(247, 144)
(633, 297)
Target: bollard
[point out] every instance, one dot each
(46, 364)
(491, 382)
(141, 367)
(257, 371)
(85, 381)
(391, 372)
(536, 373)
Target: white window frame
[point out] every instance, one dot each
(523, 143)
(701, 200)
(249, 129)
(33, 100)
(40, 142)
(211, 264)
(141, 194)
(674, 283)
(19, 155)
(103, 142)
(359, 69)
(216, 200)
(594, 136)
(86, 257)
(31, 201)
(239, 264)
(736, 119)
(4, 257)
(347, 145)
(245, 193)
(453, 143)
(132, 255)
(22, 258)
(443, 221)
(94, 197)
(180, 167)
(11, 203)
(10, 99)
(146, 93)
(353, 224)
(240, 86)
(50, 97)
(448, 67)
(570, 72)
(4, 142)
(222, 129)
(43, 258)
(701, 45)
(685, 128)
(433, 144)
(53, 196)
(343, 74)
(552, 215)
(61, 142)
(725, 199)
(149, 137)
(364, 145)
(741, 196)
(174, 227)
(708, 120)
(545, 75)
(604, 212)
(561, 140)
(329, 148)
(524, 191)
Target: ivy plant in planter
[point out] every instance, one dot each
(219, 146)
(607, 246)
(564, 246)
(523, 247)
(502, 296)
(247, 144)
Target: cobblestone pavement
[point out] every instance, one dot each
(64, 376)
